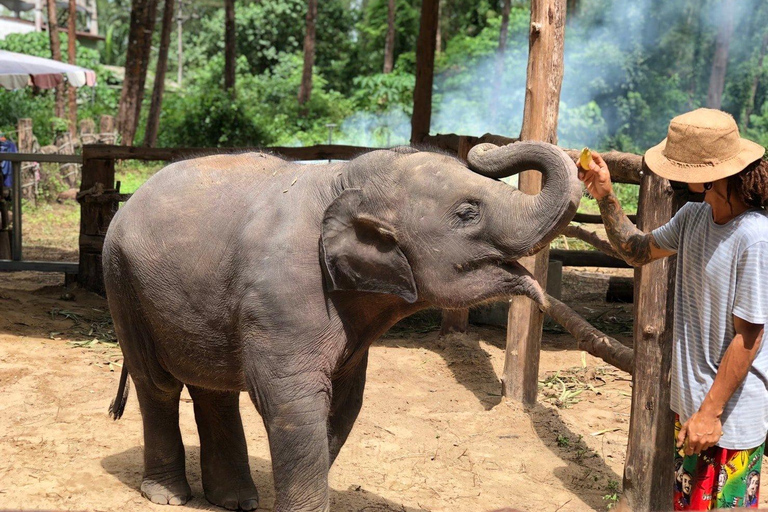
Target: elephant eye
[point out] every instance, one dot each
(468, 212)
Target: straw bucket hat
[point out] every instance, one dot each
(702, 146)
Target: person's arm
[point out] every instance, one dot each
(634, 246)
(704, 428)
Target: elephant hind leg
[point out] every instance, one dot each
(227, 478)
(165, 479)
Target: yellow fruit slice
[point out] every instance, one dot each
(585, 158)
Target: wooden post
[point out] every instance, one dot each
(457, 320)
(25, 137)
(542, 98)
(648, 470)
(425, 69)
(107, 130)
(94, 220)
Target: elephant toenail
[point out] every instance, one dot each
(160, 499)
(231, 505)
(250, 505)
(176, 500)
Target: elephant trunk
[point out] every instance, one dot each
(531, 222)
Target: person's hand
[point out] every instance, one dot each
(702, 430)
(597, 179)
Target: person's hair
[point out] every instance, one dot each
(751, 184)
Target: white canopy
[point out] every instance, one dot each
(17, 70)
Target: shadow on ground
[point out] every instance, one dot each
(127, 467)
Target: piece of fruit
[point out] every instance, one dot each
(585, 158)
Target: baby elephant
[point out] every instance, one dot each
(249, 272)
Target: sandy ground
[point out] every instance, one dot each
(434, 433)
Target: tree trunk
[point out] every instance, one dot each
(439, 35)
(503, 34)
(720, 60)
(230, 47)
(425, 71)
(143, 13)
(53, 35)
(542, 98)
(756, 81)
(389, 42)
(499, 75)
(305, 91)
(572, 8)
(153, 121)
(72, 54)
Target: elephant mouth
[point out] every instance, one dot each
(510, 277)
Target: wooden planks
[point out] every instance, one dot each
(648, 470)
(542, 98)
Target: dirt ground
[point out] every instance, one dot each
(434, 433)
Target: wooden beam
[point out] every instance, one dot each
(586, 218)
(457, 320)
(624, 167)
(589, 338)
(542, 97)
(648, 471)
(425, 69)
(591, 238)
(94, 219)
(586, 259)
(318, 152)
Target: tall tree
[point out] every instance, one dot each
(229, 46)
(143, 14)
(305, 91)
(756, 81)
(720, 60)
(421, 118)
(53, 34)
(153, 121)
(72, 54)
(497, 79)
(389, 43)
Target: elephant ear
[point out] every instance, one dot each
(360, 252)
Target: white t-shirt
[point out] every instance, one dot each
(722, 271)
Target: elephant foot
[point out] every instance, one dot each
(172, 492)
(241, 497)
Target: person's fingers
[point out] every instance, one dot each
(597, 157)
(682, 434)
(594, 167)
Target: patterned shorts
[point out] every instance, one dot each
(717, 477)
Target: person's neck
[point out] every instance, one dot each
(724, 211)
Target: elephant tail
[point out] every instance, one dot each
(117, 406)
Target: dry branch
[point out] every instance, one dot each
(592, 239)
(590, 339)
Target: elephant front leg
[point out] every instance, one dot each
(295, 414)
(345, 406)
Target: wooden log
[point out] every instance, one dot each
(425, 69)
(25, 138)
(457, 320)
(592, 239)
(98, 174)
(648, 471)
(107, 130)
(586, 218)
(624, 167)
(589, 338)
(318, 152)
(586, 259)
(542, 98)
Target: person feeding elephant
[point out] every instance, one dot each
(719, 371)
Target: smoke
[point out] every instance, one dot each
(629, 67)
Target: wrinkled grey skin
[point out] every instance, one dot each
(247, 272)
